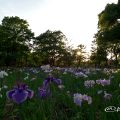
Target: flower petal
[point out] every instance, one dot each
(20, 96)
(45, 83)
(30, 93)
(42, 92)
(10, 93)
(57, 81)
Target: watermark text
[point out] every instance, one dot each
(112, 109)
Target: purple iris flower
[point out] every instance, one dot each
(103, 82)
(78, 99)
(43, 92)
(20, 93)
(50, 79)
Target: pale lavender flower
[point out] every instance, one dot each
(84, 97)
(98, 82)
(77, 99)
(89, 83)
(89, 100)
(80, 74)
(107, 96)
(45, 67)
(103, 82)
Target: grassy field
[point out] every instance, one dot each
(60, 104)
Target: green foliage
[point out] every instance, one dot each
(108, 17)
(19, 46)
(108, 37)
(51, 46)
(61, 105)
(15, 37)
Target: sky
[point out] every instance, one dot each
(77, 19)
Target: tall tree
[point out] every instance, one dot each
(51, 46)
(15, 37)
(109, 29)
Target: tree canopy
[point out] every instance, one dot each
(108, 37)
(51, 45)
(15, 37)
